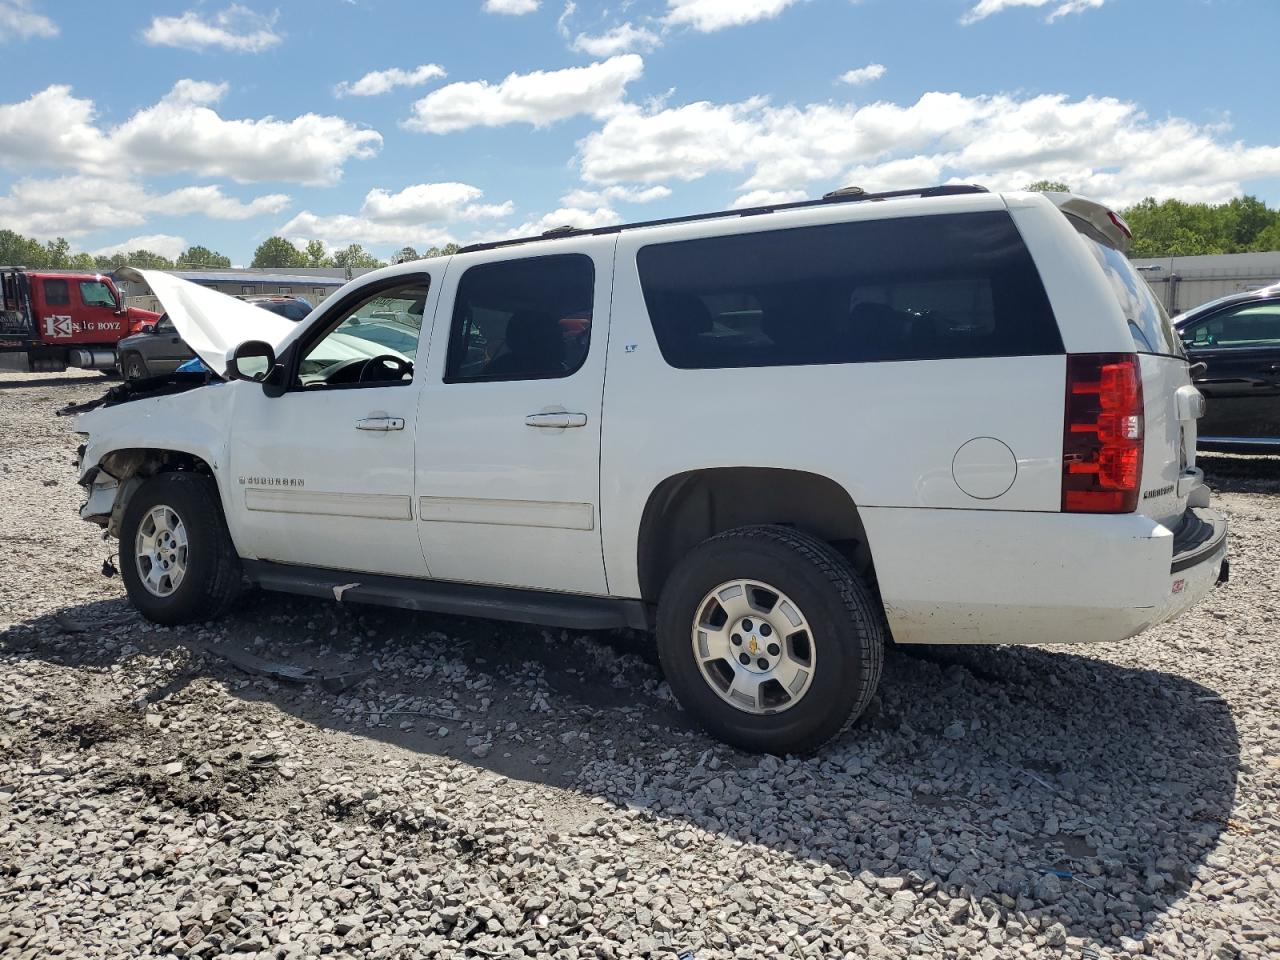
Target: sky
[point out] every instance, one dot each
(419, 122)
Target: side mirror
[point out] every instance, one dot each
(252, 360)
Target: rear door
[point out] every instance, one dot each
(508, 453)
(1171, 405)
(1240, 347)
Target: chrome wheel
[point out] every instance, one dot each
(754, 647)
(160, 550)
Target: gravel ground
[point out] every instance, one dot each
(463, 789)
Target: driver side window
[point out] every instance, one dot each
(372, 343)
(1255, 325)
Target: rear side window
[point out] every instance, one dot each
(527, 319)
(917, 288)
(57, 293)
(1148, 322)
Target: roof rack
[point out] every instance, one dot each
(843, 195)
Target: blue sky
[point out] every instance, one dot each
(389, 122)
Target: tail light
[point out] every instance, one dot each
(1102, 441)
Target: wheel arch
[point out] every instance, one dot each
(119, 473)
(694, 505)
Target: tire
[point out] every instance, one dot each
(211, 574)
(133, 367)
(806, 587)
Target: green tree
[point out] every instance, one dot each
(82, 261)
(405, 255)
(448, 250)
(199, 256)
(354, 257)
(57, 254)
(19, 251)
(316, 255)
(278, 252)
(1048, 186)
(1267, 240)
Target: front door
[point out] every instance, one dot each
(508, 465)
(1241, 350)
(323, 475)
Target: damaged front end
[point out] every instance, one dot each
(139, 389)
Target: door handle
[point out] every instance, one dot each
(556, 420)
(381, 424)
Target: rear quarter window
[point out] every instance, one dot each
(1148, 322)
(912, 288)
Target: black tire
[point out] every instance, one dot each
(213, 575)
(843, 614)
(133, 367)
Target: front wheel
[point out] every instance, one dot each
(770, 639)
(176, 556)
(133, 367)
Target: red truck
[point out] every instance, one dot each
(61, 319)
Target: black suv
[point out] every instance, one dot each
(1237, 338)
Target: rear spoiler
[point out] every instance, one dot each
(1100, 222)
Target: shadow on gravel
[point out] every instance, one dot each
(38, 381)
(1233, 473)
(1049, 782)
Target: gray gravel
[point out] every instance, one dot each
(495, 791)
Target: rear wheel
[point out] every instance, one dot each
(176, 557)
(769, 638)
(134, 367)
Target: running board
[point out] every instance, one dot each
(539, 607)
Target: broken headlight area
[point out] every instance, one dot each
(131, 390)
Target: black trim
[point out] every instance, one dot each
(1200, 535)
(539, 607)
(943, 191)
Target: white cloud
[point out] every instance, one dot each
(164, 244)
(1061, 8)
(539, 98)
(236, 28)
(568, 217)
(383, 81)
(706, 16)
(621, 39)
(18, 20)
(1103, 147)
(766, 198)
(182, 132)
(75, 205)
(420, 214)
(515, 8)
(868, 74)
(616, 194)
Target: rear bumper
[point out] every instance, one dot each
(971, 576)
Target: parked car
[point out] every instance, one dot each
(778, 437)
(1236, 342)
(61, 318)
(160, 349)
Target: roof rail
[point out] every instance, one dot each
(843, 195)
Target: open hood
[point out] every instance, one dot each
(212, 323)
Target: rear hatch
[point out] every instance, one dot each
(1171, 405)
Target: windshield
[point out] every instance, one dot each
(1148, 322)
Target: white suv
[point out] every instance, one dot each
(779, 436)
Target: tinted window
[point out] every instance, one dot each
(57, 293)
(289, 309)
(1255, 325)
(1148, 322)
(917, 288)
(95, 293)
(522, 319)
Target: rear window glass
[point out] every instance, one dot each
(1148, 322)
(57, 293)
(917, 288)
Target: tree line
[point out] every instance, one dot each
(1165, 228)
(56, 254)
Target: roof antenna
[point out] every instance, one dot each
(844, 192)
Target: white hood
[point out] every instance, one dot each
(212, 323)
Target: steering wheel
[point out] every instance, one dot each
(398, 367)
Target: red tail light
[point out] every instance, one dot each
(1102, 442)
